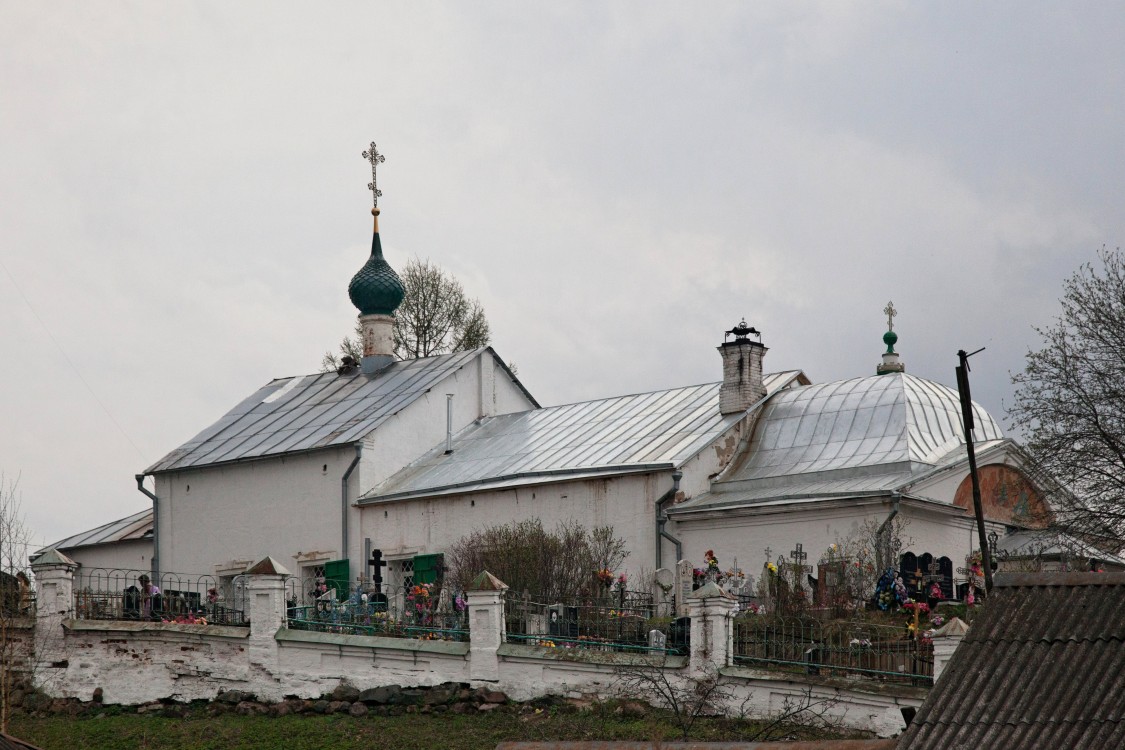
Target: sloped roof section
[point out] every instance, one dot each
(292, 415)
(611, 435)
(131, 528)
(883, 419)
(1043, 666)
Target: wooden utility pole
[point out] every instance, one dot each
(967, 420)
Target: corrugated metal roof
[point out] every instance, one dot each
(136, 526)
(291, 415)
(1042, 666)
(883, 419)
(622, 434)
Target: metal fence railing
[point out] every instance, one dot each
(423, 612)
(103, 594)
(834, 648)
(630, 622)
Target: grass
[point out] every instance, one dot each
(128, 731)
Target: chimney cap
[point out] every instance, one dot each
(742, 331)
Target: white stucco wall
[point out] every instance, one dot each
(129, 555)
(289, 507)
(625, 502)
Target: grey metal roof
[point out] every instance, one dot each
(1042, 666)
(634, 433)
(130, 528)
(883, 419)
(858, 436)
(291, 415)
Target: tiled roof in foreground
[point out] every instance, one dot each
(1043, 666)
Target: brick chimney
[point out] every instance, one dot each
(742, 370)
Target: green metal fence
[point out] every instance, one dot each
(853, 649)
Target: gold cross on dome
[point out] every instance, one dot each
(372, 155)
(889, 311)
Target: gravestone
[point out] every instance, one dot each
(657, 639)
(684, 570)
(664, 583)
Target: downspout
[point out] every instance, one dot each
(344, 501)
(896, 498)
(662, 518)
(155, 526)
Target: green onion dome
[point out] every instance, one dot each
(376, 289)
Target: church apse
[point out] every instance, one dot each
(1007, 497)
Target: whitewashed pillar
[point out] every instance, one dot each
(265, 590)
(54, 582)
(485, 600)
(712, 613)
(946, 640)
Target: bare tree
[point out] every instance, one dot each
(15, 595)
(436, 317)
(689, 698)
(552, 566)
(1070, 404)
(686, 698)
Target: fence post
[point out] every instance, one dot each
(265, 587)
(712, 612)
(946, 640)
(54, 581)
(485, 600)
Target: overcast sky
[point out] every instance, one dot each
(183, 200)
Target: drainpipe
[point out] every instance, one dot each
(896, 497)
(155, 526)
(662, 518)
(344, 501)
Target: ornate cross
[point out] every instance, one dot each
(889, 310)
(768, 553)
(799, 555)
(372, 155)
(935, 572)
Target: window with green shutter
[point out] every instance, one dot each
(337, 575)
(427, 568)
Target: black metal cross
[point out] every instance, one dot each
(768, 553)
(799, 555)
(372, 155)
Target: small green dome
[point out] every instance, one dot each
(890, 338)
(376, 289)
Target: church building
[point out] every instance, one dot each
(400, 459)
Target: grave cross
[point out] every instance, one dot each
(935, 572)
(799, 555)
(918, 577)
(378, 563)
(768, 553)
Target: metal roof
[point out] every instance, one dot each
(858, 436)
(882, 419)
(1043, 665)
(646, 431)
(308, 412)
(130, 528)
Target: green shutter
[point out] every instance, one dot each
(427, 568)
(337, 574)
